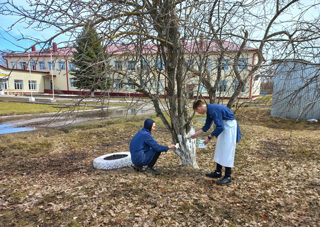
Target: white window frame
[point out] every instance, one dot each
(42, 65)
(61, 65)
(33, 66)
(71, 66)
(130, 84)
(118, 65)
(243, 63)
(131, 65)
(222, 84)
(33, 85)
(13, 65)
(23, 65)
(117, 84)
(159, 64)
(224, 65)
(4, 84)
(71, 83)
(51, 65)
(18, 84)
(157, 85)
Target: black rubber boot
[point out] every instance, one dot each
(137, 168)
(152, 170)
(224, 181)
(215, 174)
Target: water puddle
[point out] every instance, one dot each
(7, 128)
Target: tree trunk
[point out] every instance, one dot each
(187, 149)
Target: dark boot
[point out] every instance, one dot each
(152, 170)
(137, 168)
(224, 181)
(217, 173)
(214, 174)
(227, 177)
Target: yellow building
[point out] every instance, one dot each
(39, 71)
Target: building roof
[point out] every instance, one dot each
(190, 47)
(127, 49)
(8, 71)
(65, 51)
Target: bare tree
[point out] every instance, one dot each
(167, 43)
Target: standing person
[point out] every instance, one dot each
(227, 132)
(144, 150)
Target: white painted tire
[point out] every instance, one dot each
(102, 163)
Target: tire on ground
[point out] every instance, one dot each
(113, 161)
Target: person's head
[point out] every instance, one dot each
(200, 106)
(149, 124)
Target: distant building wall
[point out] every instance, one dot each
(58, 62)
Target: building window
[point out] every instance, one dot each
(33, 66)
(130, 84)
(32, 85)
(157, 86)
(62, 65)
(42, 65)
(3, 84)
(189, 65)
(235, 84)
(117, 84)
(131, 65)
(118, 65)
(243, 64)
(71, 66)
(159, 64)
(23, 65)
(224, 64)
(208, 64)
(51, 65)
(72, 83)
(13, 65)
(144, 64)
(222, 86)
(18, 84)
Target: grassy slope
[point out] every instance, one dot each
(17, 108)
(47, 179)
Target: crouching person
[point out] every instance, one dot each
(145, 150)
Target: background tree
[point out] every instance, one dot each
(90, 61)
(159, 31)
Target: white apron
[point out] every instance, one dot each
(226, 144)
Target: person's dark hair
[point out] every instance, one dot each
(197, 104)
(148, 124)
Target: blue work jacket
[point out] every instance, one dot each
(218, 113)
(143, 148)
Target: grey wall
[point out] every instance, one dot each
(296, 91)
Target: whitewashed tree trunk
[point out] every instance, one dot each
(187, 150)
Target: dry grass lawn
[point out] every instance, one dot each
(19, 108)
(47, 178)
